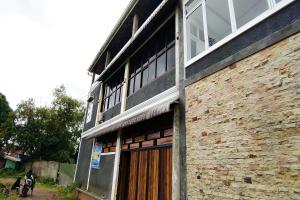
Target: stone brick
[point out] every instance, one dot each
(242, 128)
(139, 138)
(166, 140)
(128, 140)
(134, 145)
(168, 132)
(124, 146)
(149, 143)
(152, 136)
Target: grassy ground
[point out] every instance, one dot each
(8, 177)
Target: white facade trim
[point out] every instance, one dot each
(166, 96)
(233, 35)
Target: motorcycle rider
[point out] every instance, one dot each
(29, 175)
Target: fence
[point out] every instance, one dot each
(61, 173)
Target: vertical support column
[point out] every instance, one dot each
(90, 168)
(125, 88)
(93, 78)
(135, 24)
(179, 143)
(76, 167)
(114, 190)
(100, 100)
(107, 59)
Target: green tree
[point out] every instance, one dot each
(4, 109)
(49, 133)
(5, 115)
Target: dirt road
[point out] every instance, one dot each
(43, 194)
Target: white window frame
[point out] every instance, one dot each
(89, 111)
(273, 8)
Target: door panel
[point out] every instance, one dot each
(149, 172)
(153, 174)
(166, 174)
(142, 175)
(133, 175)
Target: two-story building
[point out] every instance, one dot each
(195, 99)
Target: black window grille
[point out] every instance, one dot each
(113, 89)
(154, 59)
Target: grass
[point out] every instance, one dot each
(8, 176)
(11, 173)
(11, 197)
(66, 192)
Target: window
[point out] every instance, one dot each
(210, 21)
(154, 59)
(246, 10)
(89, 111)
(113, 90)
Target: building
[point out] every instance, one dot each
(195, 100)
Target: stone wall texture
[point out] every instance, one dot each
(243, 128)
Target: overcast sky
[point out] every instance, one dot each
(46, 43)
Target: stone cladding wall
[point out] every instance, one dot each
(243, 128)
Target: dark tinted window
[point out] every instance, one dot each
(112, 90)
(171, 58)
(154, 59)
(161, 64)
(151, 71)
(137, 83)
(145, 76)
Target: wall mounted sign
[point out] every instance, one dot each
(96, 156)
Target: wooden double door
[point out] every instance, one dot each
(146, 174)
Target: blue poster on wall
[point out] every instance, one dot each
(97, 150)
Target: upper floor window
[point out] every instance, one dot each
(113, 90)
(210, 21)
(89, 111)
(154, 59)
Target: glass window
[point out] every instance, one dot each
(161, 65)
(152, 58)
(151, 50)
(113, 87)
(190, 5)
(171, 58)
(89, 111)
(106, 104)
(195, 33)
(161, 41)
(118, 96)
(218, 20)
(151, 75)
(145, 76)
(137, 83)
(121, 93)
(131, 86)
(112, 100)
(246, 10)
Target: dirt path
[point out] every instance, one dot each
(43, 194)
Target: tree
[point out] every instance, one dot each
(5, 115)
(49, 133)
(4, 109)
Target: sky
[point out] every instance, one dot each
(47, 43)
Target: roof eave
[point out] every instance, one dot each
(116, 28)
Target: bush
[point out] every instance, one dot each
(11, 173)
(47, 180)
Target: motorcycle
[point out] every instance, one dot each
(27, 185)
